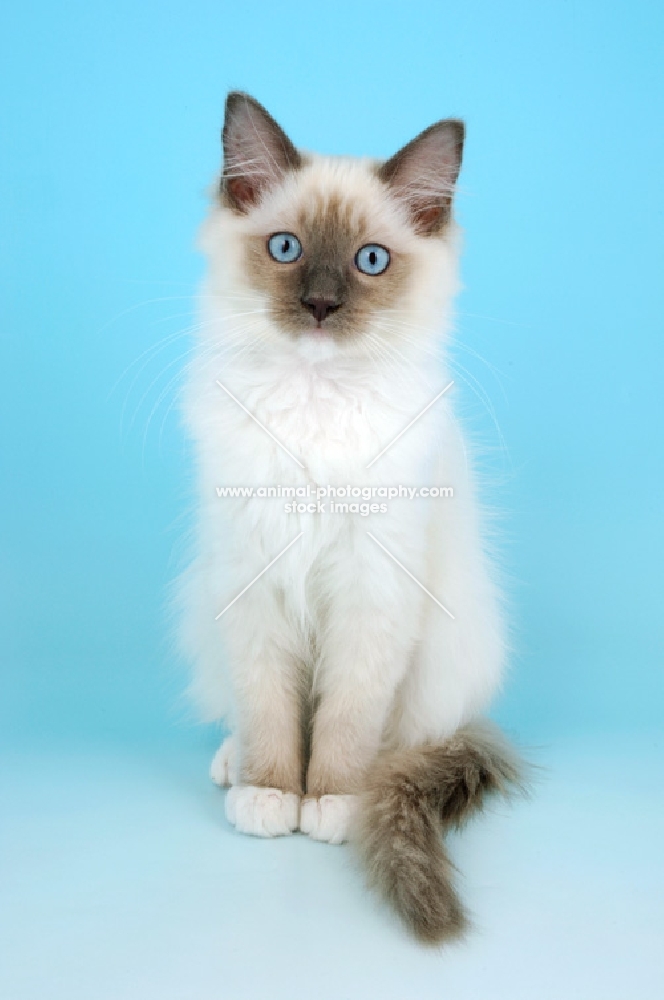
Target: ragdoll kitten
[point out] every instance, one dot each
(350, 652)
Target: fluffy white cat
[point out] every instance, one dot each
(350, 652)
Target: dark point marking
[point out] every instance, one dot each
(423, 174)
(257, 152)
(330, 234)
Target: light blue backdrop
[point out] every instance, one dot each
(109, 124)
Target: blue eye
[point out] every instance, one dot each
(284, 247)
(372, 258)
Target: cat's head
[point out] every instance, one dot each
(335, 247)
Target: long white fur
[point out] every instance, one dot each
(389, 664)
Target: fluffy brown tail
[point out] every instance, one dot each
(412, 797)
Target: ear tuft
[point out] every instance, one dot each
(423, 174)
(257, 152)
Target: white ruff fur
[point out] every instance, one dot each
(335, 619)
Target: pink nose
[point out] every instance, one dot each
(320, 308)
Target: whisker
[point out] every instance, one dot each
(402, 330)
(204, 354)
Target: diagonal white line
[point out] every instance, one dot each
(217, 617)
(250, 414)
(420, 414)
(408, 573)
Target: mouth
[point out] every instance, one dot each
(317, 341)
(318, 329)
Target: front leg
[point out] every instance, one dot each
(369, 636)
(266, 671)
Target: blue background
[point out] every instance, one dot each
(110, 123)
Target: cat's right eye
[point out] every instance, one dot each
(284, 247)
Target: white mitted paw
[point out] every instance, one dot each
(328, 818)
(223, 769)
(263, 812)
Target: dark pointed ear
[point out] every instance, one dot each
(257, 152)
(424, 172)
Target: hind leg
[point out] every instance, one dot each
(455, 672)
(224, 766)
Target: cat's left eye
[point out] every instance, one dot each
(372, 259)
(284, 247)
